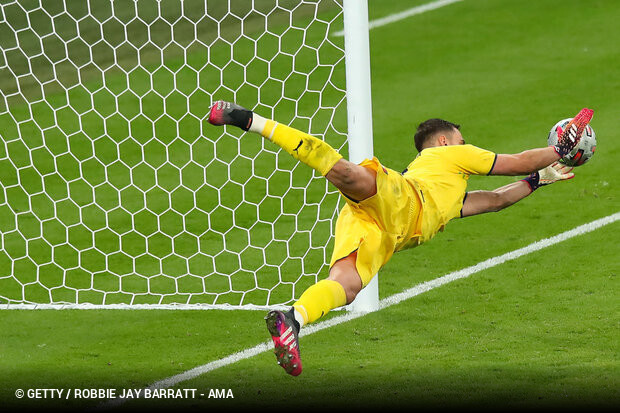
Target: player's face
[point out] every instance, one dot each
(455, 138)
(449, 138)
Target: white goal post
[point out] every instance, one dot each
(359, 111)
(115, 192)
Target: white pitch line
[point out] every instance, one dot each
(403, 14)
(386, 302)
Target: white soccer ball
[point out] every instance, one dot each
(584, 149)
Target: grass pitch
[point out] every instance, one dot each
(537, 332)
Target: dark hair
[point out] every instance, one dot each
(429, 128)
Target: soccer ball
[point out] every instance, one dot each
(580, 153)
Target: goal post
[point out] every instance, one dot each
(359, 111)
(115, 192)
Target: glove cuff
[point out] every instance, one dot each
(558, 150)
(533, 180)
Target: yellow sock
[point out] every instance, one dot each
(319, 299)
(312, 151)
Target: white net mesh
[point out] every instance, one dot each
(113, 187)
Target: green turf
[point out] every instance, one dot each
(537, 332)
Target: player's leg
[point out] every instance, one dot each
(351, 179)
(355, 181)
(344, 272)
(340, 288)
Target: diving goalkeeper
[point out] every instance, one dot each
(387, 211)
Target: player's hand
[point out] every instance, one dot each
(553, 173)
(570, 136)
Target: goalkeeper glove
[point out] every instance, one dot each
(570, 136)
(553, 173)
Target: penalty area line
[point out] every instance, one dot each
(384, 303)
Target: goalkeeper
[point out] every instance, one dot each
(387, 211)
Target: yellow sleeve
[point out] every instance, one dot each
(471, 160)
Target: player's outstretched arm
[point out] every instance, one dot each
(535, 159)
(479, 202)
(525, 162)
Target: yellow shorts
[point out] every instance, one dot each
(376, 226)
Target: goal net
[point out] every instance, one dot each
(115, 190)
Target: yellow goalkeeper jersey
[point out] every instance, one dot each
(409, 208)
(439, 175)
